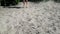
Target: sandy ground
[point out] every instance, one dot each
(38, 18)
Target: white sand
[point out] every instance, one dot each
(38, 18)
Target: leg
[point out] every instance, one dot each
(23, 2)
(26, 3)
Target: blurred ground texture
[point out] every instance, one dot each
(38, 18)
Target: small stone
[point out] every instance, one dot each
(33, 27)
(29, 19)
(37, 33)
(54, 28)
(47, 31)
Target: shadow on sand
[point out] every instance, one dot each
(12, 7)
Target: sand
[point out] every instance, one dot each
(38, 18)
